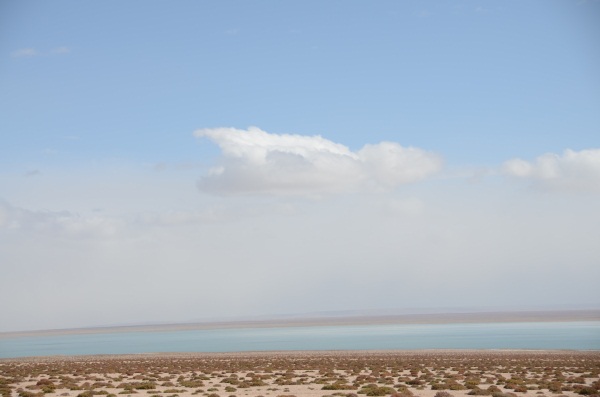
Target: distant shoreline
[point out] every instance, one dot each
(294, 354)
(429, 318)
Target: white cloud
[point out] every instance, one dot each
(32, 52)
(24, 53)
(392, 165)
(181, 217)
(61, 50)
(255, 161)
(579, 171)
(56, 223)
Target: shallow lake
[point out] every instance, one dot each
(584, 335)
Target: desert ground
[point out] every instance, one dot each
(310, 374)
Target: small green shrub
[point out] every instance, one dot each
(338, 386)
(374, 390)
(476, 391)
(501, 394)
(587, 391)
(192, 383)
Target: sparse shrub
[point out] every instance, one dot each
(338, 386)
(25, 393)
(144, 385)
(403, 393)
(192, 383)
(5, 390)
(587, 391)
(555, 387)
(501, 394)
(374, 390)
(44, 382)
(471, 383)
(476, 391)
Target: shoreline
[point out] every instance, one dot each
(297, 354)
(402, 319)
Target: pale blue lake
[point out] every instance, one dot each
(584, 335)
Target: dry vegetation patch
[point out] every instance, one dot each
(299, 374)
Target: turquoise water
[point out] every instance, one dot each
(583, 335)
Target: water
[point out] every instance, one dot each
(584, 335)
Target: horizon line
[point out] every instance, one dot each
(316, 319)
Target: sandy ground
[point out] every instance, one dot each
(347, 374)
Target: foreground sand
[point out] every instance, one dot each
(311, 374)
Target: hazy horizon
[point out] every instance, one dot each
(376, 312)
(164, 162)
(351, 317)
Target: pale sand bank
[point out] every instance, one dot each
(440, 318)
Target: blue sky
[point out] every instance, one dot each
(478, 81)
(124, 119)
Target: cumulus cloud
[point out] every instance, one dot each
(573, 170)
(255, 161)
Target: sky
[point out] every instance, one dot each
(192, 160)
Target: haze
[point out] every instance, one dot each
(176, 161)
